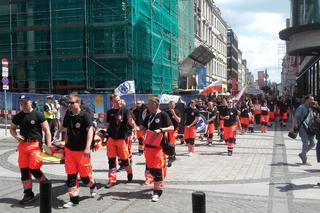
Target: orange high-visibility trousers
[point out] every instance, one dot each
(76, 162)
(27, 157)
(117, 148)
(190, 132)
(210, 129)
(172, 135)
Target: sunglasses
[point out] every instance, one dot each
(71, 102)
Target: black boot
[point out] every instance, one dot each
(28, 197)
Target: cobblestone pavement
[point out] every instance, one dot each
(264, 175)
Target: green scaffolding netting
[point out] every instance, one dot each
(99, 43)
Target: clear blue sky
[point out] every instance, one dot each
(257, 24)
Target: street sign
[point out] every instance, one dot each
(4, 62)
(5, 87)
(5, 74)
(5, 80)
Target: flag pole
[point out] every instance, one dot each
(134, 94)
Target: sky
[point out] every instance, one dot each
(257, 24)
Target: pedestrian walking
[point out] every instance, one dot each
(77, 124)
(301, 123)
(156, 124)
(32, 124)
(192, 115)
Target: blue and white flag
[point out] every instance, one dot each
(125, 88)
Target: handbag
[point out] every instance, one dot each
(152, 138)
(167, 147)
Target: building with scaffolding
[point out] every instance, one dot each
(61, 46)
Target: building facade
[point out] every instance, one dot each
(58, 46)
(302, 37)
(232, 61)
(207, 62)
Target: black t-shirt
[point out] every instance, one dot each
(30, 124)
(137, 113)
(77, 130)
(271, 106)
(118, 123)
(282, 106)
(233, 116)
(157, 121)
(244, 111)
(191, 115)
(211, 113)
(222, 109)
(174, 122)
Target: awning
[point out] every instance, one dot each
(202, 55)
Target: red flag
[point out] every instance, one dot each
(215, 86)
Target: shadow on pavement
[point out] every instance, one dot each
(286, 164)
(293, 187)
(126, 196)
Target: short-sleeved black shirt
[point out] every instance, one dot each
(233, 113)
(77, 130)
(174, 122)
(212, 113)
(118, 123)
(244, 111)
(137, 113)
(191, 115)
(157, 121)
(271, 106)
(30, 124)
(283, 107)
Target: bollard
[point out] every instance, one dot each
(198, 202)
(45, 197)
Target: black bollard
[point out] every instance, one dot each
(45, 197)
(198, 202)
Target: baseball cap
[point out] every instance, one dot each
(50, 97)
(24, 98)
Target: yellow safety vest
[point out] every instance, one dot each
(47, 114)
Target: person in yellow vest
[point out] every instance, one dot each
(50, 114)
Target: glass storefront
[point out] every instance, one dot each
(308, 82)
(305, 12)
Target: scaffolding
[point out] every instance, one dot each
(56, 46)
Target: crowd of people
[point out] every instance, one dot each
(154, 130)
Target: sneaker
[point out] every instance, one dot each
(155, 198)
(27, 198)
(190, 154)
(307, 164)
(93, 192)
(69, 205)
(130, 177)
(110, 185)
(209, 144)
(229, 153)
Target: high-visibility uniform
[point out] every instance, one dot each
(138, 118)
(155, 157)
(50, 117)
(257, 112)
(210, 126)
(75, 161)
(264, 118)
(230, 128)
(29, 163)
(116, 145)
(190, 132)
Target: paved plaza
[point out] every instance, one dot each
(264, 175)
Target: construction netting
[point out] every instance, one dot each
(58, 45)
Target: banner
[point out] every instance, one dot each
(202, 75)
(125, 88)
(165, 98)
